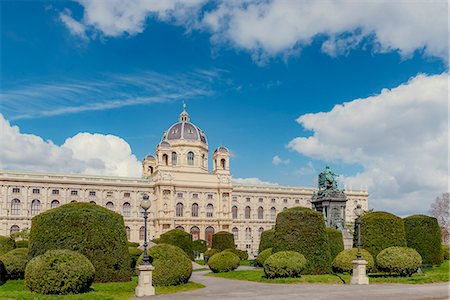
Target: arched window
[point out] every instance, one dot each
(203, 160)
(195, 232)
(73, 201)
(128, 230)
(142, 233)
(150, 169)
(179, 209)
(235, 232)
(194, 211)
(260, 213)
(55, 203)
(14, 229)
(126, 209)
(110, 205)
(247, 212)
(273, 213)
(223, 163)
(260, 231)
(35, 207)
(248, 233)
(92, 202)
(284, 208)
(190, 158)
(209, 210)
(209, 232)
(174, 158)
(15, 207)
(234, 212)
(179, 227)
(165, 159)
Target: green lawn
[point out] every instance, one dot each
(15, 289)
(436, 274)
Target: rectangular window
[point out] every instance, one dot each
(74, 193)
(285, 201)
(297, 201)
(126, 195)
(166, 226)
(180, 195)
(36, 191)
(109, 194)
(166, 192)
(210, 196)
(260, 200)
(273, 200)
(195, 196)
(91, 193)
(55, 192)
(247, 199)
(16, 190)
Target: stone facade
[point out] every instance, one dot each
(184, 193)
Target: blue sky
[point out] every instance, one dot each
(247, 72)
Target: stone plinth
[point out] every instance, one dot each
(359, 272)
(145, 287)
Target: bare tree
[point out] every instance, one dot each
(440, 210)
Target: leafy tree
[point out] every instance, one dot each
(440, 210)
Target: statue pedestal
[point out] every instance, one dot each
(359, 272)
(145, 287)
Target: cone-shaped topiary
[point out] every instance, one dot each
(284, 264)
(424, 234)
(343, 261)
(380, 230)
(6, 244)
(172, 266)
(399, 260)
(302, 230)
(96, 232)
(15, 262)
(266, 240)
(223, 240)
(59, 272)
(335, 241)
(179, 238)
(262, 256)
(224, 261)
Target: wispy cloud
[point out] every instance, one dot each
(110, 91)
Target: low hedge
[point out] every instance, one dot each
(399, 260)
(266, 240)
(262, 256)
(343, 261)
(172, 266)
(284, 264)
(445, 251)
(211, 252)
(134, 255)
(22, 244)
(424, 234)
(243, 255)
(335, 240)
(179, 238)
(15, 262)
(6, 244)
(59, 272)
(224, 261)
(223, 240)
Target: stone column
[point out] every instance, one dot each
(359, 272)
(145, 287)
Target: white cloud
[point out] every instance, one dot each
(75, 27)
(252, 180)
(399, 137)
(277, 160)
(84, 153)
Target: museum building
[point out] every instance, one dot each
(184, 193)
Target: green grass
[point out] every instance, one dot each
(247, 262)
(200, 262)
(430, 275)
(15, 289)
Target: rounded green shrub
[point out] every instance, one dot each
(223, 240)
(424, 234)
(3, 274)
(59, 272)
(302, 230)
(380, 230)
(22, 244)
(15, 262)
(200, 246)
(445, 251)
(134, 255)
(399, 260)
(335, 240)
(266, 240)
(210, 252)
(284, 264)
(343, 261)
(94, 231)
(243, 255)
(133, 244)
(224, 261)
(179, 238)
(172, 266)
(6, 244)
(262, 256)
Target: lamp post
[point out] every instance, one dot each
(145, 205)
(358, 213)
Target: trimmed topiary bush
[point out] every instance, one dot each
(200, 246)
(302, 230)
(262, 256)
(133, 244)
(3, 275)
(343, 261)
(399, 260)
(445, 251)
(243, 255)
(15, 262)
(59, 272)
(224, 261)
(284, 264)
(6, 244)
(266, 240)
(335, 241)
(172, 266)
(22, 244)
(96, 232)
(134, 256)
(223, 240)
(179, 238)
(424, 234)
(210, 252)
(380, 230)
